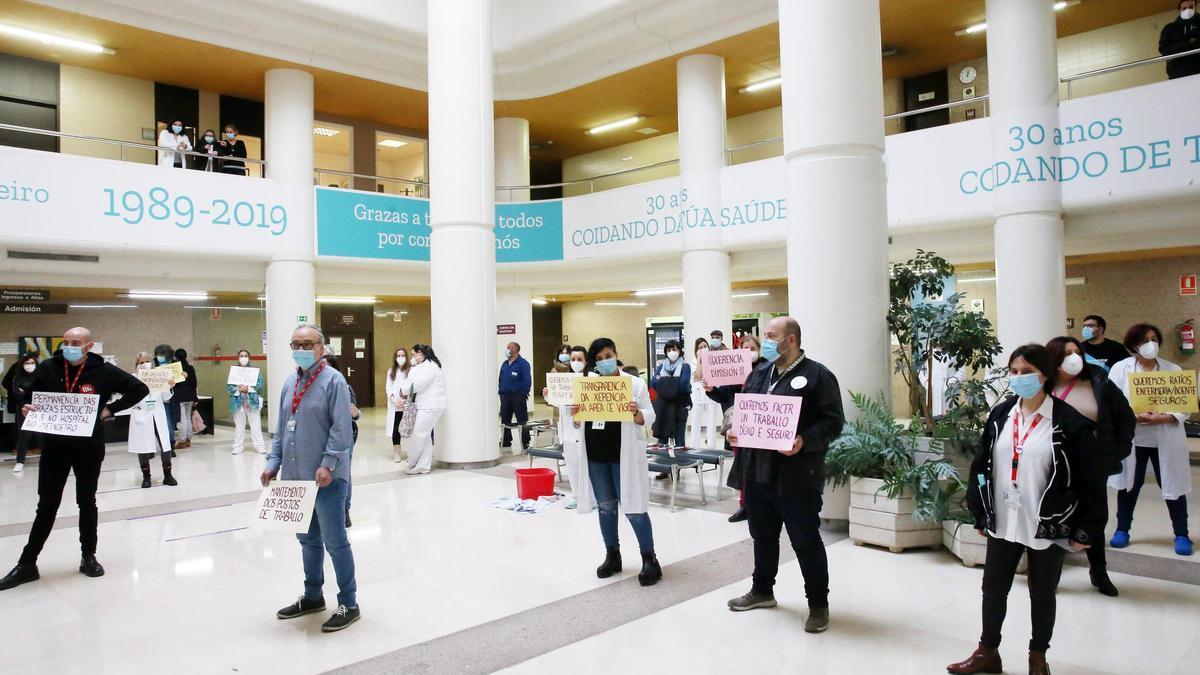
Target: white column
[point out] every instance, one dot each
(291, 276)
(512, 158)
(1031, 298)
(700, 81)
(837, 220)
(514, 306)
(462, 246)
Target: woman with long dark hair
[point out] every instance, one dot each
(429, 396)
(397, 388)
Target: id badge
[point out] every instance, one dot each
(291, 424)
(598, 426)
(1012, 498)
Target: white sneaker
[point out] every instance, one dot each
(18, 468)
(261, 451)
(237, 451)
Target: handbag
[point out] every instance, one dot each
(408, 416)
(198, 425)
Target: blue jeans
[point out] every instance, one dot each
(328, 533)
(606, 484)
(350, 481)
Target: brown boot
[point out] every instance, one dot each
(1037, 664)
(982, 660)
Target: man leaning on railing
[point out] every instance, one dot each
(1182, 35)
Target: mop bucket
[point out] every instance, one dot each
(534, 483)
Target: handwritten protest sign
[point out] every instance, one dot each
(176, 369)
(243, 377)
(160, 380)
(285, 506)
(561, 389)
(727, 367)
(603, 399)
(1163, 392)
(63, 414)
(764, 421)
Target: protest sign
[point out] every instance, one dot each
(63, 414)
(764, 421)
(561, 389)
(724, 367)
(160, 380)
(243, 377)
(603, 399)
(285, 506)
(1162, 391)
(176, 369)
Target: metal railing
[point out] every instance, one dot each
(934, 108)
(421, 187)
(1071, 79)
(129, 144)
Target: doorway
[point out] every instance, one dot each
(926, 91)
(355, 356)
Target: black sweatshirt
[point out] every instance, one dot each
(1177, 37)
(103, 379)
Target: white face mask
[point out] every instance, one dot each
(244, 360)
(418, 359)
(400, 361)
(1072, 364)
(673, 356)
(578, 366)
(753, 354)
(30, 367)
(1148, 350)
(143, 366)
(1187, 14)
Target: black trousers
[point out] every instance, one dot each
(57, 463)
(514, 403)
(1127, 499)
(1045, 568)
(799, 512)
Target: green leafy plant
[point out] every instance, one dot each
(968, 402)
(932, 485)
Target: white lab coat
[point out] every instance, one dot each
(571, 438)
(635, 470)
(428, 386)
(148, 425)
(394, 388)
(169, 143)
(1176, 478)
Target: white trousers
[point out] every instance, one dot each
(707, 415)
(240, 418)
(420, 444)
(185, 421)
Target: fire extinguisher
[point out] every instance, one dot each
(1187, 337)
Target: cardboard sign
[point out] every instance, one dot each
(723, 367)
(160, 380)
(176, 369)
(561, 388)
(1163, 392)
(285, 506)
(764, 421)
(243, 377)
(603, 399)
(63, 414)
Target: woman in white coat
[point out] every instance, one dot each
(705, 412)
(148, 429)
(1160, 439)
(170, 141)
(615, 475)
(396, 385)
(570, 436)
(429, 395)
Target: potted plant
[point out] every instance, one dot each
(968, 401)
(895, 501)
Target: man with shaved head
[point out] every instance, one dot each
(73, 369)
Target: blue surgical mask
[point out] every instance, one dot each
(1026, 386)
(563, 358)
(72, 354)
(715, 343)
(1088, 333)
(304, 358)
(176, 128)
(508, 353)
(230, 135)
(161, 359)
(770, 350)
(209, 138)
(607, 366)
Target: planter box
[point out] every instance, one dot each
(877, 520)
(968, 546)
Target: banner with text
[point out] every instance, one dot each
(765, 421)
(603, 399)
(725, 367)
(63, 414)
(1163, 392)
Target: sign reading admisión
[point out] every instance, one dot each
(1163, 392)
(603, 399)
(285, 506)
(764, 421)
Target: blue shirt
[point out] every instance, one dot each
(322, 434)
(515, 377)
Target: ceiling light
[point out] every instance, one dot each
(1076, 281)
(1063, 4)
(619, 304)
(756, 294)
(102, 306)
(647, 131)
(628, 121)
(346, 300)
(540, 301)
(167, 295)
(626, 158)
(392, 143)
(758, 86)
(244, 309)
(976, 280)
(55, 40)
(657, 291)
(325, 131)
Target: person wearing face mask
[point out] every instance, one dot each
(568, 434)
(613, 479)
(429, 395)
(716, 340)
(148, 429)
(1097, 349)
(73, 370)
(784, 488)
(706, 414)
(230, 146)
(186, 395)
(172, 143)
(208, 145)
(1087, 389)
(1182, 35)
(396, 386)
(1159, 439)
(18, 382)
(165, 356)
(515, 383)
(245, 404)
(724, 396)
(672, 382)
(1035, 489)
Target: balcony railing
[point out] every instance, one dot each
(1070, 80)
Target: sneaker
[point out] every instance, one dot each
(573, 504)
(237, 451)
(818, 620)
(261, 451)
(301, 607)
(1183, 546)
(18, 468)
(21, 574)
(1120, 539)
(341, 619)
(751, 601)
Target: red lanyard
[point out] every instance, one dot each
(1018, 445)
(71, 384)
(1066, 392)
(298, 392)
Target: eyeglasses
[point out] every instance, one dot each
(306, 346)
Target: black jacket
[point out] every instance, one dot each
(98, 377)
(235, 149)
(821, 421)
(185, 392)
(17, 383)
(1181, 36)
(1074, 504)
(1115, 421)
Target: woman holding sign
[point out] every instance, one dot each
(1159, 439)
(245, 402)
(148, 429)
(568, 434)
(614, 476)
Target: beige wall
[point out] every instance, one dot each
(236, 329)
(92, 103)
(1114, 45)
(390, 334)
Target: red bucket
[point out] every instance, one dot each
(534, 483)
